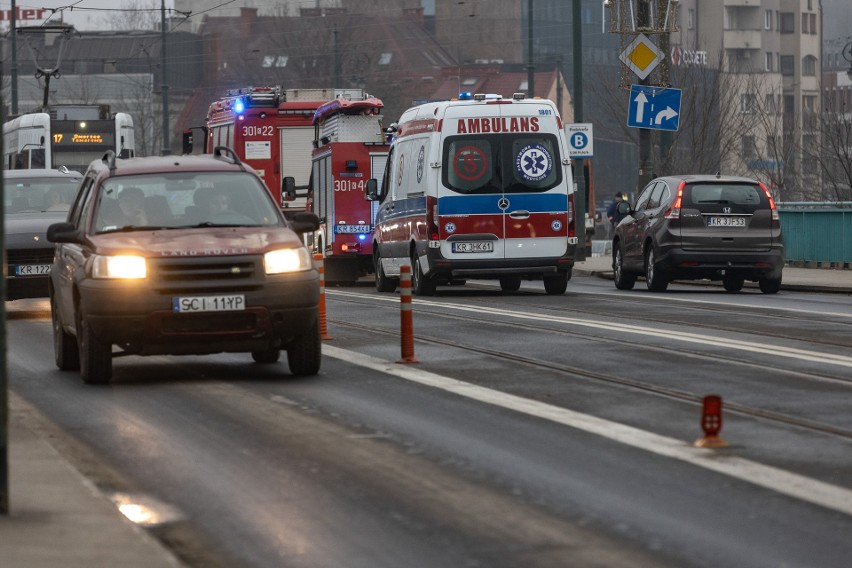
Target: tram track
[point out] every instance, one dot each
(604, 378)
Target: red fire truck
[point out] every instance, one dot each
(271, 129)
(350, 148)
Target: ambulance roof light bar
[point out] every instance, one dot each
(489, 96)
(518, 96)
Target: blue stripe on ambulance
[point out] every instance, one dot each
(487, 204)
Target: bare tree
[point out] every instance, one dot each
(833, 151)
(136, 15)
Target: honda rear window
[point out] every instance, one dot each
(726, 194)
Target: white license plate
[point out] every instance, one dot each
(350, 229)
(226, 303)
(726, 221)
(483, 246)
(32, 269)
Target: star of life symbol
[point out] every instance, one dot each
(534, 163)
(450, 227)
(556, 225)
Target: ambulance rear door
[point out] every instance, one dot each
(470, 195)
(535, 198)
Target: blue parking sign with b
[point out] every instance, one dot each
(579, 140)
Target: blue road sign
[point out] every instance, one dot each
(657, 108)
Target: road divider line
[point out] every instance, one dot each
(793, 485)
(686, 337)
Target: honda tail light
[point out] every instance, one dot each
(674, 212)
(775, 216)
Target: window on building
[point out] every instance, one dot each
(749, 150)
(748, 103)
(810, 5)
(788, 22)
(809, 65)
(805, 21)
(770, 60)
(789, 104)
(809, 116)
(787, 65)
(767, 20)
(690, 19)
(769, 104)
(385, 58)
(813, 23)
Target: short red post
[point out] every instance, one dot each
(406, 323)
(711, 423)
(318, 262)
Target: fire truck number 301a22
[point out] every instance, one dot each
(258, 130)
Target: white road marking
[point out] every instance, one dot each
(737, 344)
(793, 485)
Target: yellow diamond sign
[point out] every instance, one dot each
(641, 56)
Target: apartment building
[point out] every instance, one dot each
(768, 52)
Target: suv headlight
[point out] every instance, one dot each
(287, 260)
(123, 266)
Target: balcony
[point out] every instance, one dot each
(743, 39)
(752, 3)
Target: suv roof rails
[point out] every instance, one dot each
(226, 154)
(109, 161)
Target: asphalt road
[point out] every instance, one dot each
(535, 431)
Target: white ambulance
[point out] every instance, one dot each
(479, 187)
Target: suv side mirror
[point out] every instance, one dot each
(304, 222)
(371, 192)
(288, 188)
(623, 208)
(63, 233)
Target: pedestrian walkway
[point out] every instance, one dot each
(57, 518)
(793, 278)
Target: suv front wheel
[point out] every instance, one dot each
(623, 280)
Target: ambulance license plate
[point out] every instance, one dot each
(224, 303)
(482, 246)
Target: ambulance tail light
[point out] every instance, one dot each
(432, 218)
(351, 248)
(674, 212)
(571, 224)
(775, 216)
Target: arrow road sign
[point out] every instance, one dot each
(657, 108)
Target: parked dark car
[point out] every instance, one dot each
(178, 256)
(32, 201)
(700, 227)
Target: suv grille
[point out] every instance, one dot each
(198, 273)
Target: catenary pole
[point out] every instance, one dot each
(167, 139)
(13, 24)
(4, 382)
(579, 170)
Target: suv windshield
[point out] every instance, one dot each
(501, 163)
(180, 200)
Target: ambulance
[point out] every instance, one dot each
(476, 188)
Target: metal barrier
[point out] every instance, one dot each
(817, 232)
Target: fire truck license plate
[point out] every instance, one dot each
(353, 229)
(227, 303)
(484, 246)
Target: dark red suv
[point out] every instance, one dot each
(700, 227)
(181, 255)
